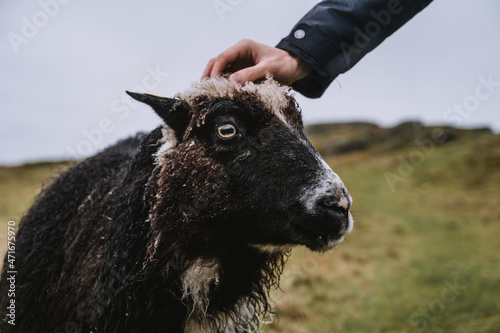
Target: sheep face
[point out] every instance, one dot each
(256, 173)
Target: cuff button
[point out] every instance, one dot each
(299, 34)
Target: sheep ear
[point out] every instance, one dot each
(177, 119)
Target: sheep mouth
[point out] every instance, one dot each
(319, 239)
(320, 229)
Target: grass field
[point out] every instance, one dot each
(424, 255)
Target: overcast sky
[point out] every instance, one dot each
(65, 64)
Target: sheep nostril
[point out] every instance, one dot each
(333, 204)
(329, 202)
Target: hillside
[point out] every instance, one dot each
(424, 254)
(427, 216)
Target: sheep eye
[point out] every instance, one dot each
(226, 131)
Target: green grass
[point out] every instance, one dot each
(438, 227)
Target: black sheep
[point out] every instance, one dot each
(184, 229)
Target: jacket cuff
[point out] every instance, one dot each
(318, 56)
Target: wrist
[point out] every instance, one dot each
(301, 68)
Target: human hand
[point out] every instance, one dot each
(249, 61)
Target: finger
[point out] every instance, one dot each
(240, 51)
(208, 69)
(220, 64)
(249, 74)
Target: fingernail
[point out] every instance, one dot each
(235, 78)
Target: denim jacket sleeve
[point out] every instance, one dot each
(335, 34)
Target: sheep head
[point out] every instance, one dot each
(244, 163)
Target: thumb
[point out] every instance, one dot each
(248, 74)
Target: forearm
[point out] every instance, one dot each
(333, 36)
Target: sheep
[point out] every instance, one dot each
(183, 229)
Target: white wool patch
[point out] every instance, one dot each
(196, 282)
(271, 93)
(168, 141)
